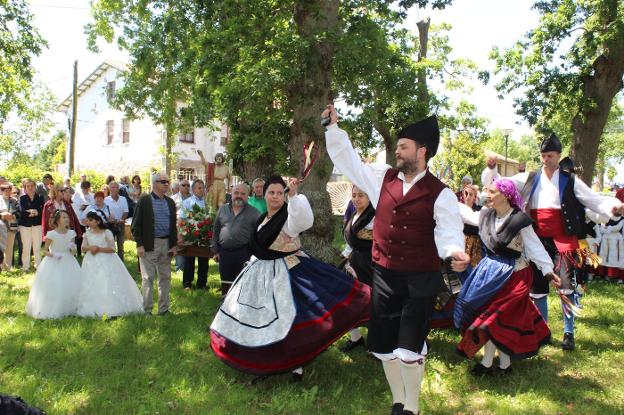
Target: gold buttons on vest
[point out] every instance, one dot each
(394, 211)
(402, 242)
(392, 226)
(389, 241)
(404, 227)
(389, 256)
(407, 213)
(402, 258)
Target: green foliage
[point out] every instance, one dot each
(18, 171)
(462, 155)
(52, 153)
(20, 42)
(95, 178)
(569, 69)
(22, 135)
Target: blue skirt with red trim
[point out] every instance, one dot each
(328, 304)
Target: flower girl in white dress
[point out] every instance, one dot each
(58, 282)
(108, 289)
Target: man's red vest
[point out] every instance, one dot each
(403, 232)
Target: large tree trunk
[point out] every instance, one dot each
(599, 89)
(307, 97)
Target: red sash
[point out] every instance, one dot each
(550, 225)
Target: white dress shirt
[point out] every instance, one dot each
(188, 203)
(448, 232)
(488, 175)
(117, 207)
(546, 194)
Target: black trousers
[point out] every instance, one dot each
(189, 271)
(231, 263)
(402, 306)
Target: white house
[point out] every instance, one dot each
(110, 143)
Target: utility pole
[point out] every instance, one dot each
(72, 133)
(506, 133)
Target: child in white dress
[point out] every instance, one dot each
(108, 288)
(58, 282)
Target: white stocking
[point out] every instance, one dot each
(392, 369)
(488, 354)
(504, 361)
(412, 374)
(355, 335)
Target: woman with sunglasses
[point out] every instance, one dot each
(494, 309)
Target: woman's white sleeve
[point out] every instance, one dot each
(300, 216)
(534, 250)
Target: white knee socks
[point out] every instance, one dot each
(356, 335)
(412, 374)
(488, 354)
(392, 369)
(504, 361)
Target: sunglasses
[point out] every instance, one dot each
(185, 185)
(163, 181)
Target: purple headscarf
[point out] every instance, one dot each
(510, 191)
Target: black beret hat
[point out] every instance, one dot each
(425, 132)
(551, 143)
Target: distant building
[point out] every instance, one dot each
(110, 143)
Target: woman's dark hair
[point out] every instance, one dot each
(109, 178)
(56, 216)
(85, 185)
(98, 218)
(273, 180)
(137, 177)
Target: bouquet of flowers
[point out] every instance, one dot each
(196, 226)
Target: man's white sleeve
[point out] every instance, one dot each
(347, 161)
(449, 229)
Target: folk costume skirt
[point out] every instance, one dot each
(509, 319)
(275, 319)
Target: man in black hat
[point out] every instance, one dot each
(556, 200)
(417, 222)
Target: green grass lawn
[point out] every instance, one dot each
(164, 365)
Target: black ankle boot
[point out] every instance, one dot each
(568, 341)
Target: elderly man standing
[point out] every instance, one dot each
(118, 208)
(257, 197)
(491, 170)
(154, 231)
(197, 198)
(233, 228)
(43, 188)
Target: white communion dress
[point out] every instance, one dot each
(107, 289)
(56, 289)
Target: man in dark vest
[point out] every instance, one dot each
(417, 222)
(556, 200)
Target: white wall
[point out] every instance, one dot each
(146, 138)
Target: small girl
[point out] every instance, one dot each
(58, 282)
(108, 288)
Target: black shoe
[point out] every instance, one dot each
(296, 377)
(410, 413)
(568, 341)
(164, 313)
(350, 345)
(480, 370)
(504, 372)
(397, 409)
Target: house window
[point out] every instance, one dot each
(224, 141)
(125, 134)
(110, 131)
(186, 173)
(188, 137)
(110, 90)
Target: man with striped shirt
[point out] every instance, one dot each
(154, 230)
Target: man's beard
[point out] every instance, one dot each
(408, 166)
(238, 202)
